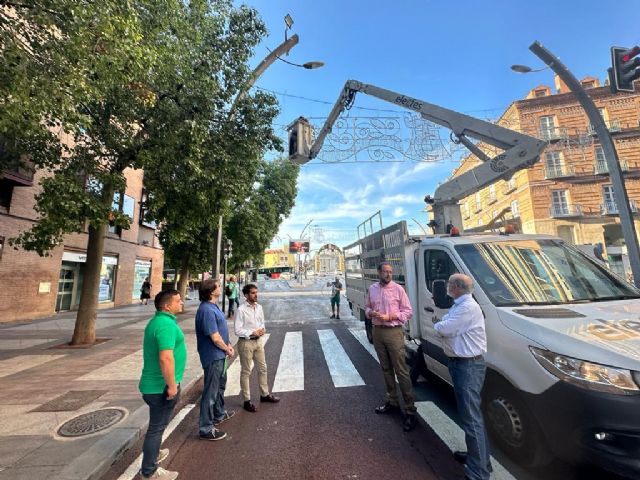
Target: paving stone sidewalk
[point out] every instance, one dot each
(43, 386)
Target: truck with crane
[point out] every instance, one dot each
(563, 332)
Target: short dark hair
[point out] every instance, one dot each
(248, 287)
(382, 264)
(164, 297)
(206, 289)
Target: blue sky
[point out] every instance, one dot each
(454, 54)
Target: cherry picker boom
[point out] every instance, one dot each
(518, 150)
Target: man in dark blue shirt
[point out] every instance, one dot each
(213, 347)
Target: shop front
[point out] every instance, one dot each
(141, 271)
(72, 275)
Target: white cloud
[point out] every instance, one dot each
(399, 212)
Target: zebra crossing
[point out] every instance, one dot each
(289, 377)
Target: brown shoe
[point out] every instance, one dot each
(249, 407)
(269, 399)
(387, 408)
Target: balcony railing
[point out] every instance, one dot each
(565, 211)
(612, 125)
(557, 171)
(602, 167)
(611, 208)
(552, 133)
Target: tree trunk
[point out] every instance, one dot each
(184, 277)
(85, 329)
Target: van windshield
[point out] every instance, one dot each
(540, 272)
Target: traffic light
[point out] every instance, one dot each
(624, 68)
(300, 140)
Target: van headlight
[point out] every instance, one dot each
(592, 376)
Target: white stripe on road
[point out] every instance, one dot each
(453, 436)
(134, 468)
(290, 373)
(361, 336)
(233, 373)
(343, 372)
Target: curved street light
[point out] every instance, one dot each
(526, 69)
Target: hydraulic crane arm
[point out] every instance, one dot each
(519, 150)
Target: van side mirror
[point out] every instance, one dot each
(440, 297)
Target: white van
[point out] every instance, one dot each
(563, 360)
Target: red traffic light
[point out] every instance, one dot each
(630, 54)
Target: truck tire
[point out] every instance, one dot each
(369, 328)
(511, 425)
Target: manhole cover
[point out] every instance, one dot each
(91, 422)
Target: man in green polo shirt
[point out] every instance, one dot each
(165, 356)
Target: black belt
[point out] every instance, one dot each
(253, 337)
(477, 357)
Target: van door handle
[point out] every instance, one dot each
(429, 309)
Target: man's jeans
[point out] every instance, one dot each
(159, 413)
(467, 376)
(212, 401)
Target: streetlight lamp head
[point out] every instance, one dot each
(312, 65)
(521, 68)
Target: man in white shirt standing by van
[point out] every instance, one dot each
(465, 343)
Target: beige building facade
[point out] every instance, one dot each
(568, 193)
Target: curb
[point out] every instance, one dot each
(97, 460)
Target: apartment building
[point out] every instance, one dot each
(568, 193)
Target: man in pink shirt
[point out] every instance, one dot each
(389, 308)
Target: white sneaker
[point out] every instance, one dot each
(162, 455)
(163, 474)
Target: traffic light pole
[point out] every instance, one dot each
(611, 156)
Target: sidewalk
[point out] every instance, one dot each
(42, 386)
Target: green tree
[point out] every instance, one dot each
(136, 84)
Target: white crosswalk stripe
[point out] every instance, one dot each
(343, 372)
(361, 336)
(290, 373)
(453, 436)
(233, 373)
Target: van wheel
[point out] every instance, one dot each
(369, 328)
(512, 426)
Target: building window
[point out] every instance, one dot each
(560, 202)
(143, 211)
(540, 93)
(600, 158)
(589, 84)
(466, 210)
(515, 212)
(492, 193)
(6, 192)
(494, 214)
(547, 127)
(478, 202)
(480, 222)
(610, 205)
(566, 232)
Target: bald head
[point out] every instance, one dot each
(459, 284)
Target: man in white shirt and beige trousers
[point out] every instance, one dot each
(465, 343)
(249, 327)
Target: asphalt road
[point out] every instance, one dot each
(325, 426)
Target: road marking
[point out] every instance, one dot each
(453, 436)
(343, 372)
(290, 373)
(233, 373)
(361, 336)
(134, 468)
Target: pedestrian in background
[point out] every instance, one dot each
(231, 291)
(214, 348)
(465, 343)
(336, 289)
(249, 327)
(145, 291)
(164, 356)
(388, 307)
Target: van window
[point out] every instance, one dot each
(540, 272)
(437, 266)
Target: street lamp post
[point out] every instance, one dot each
(611, 156)
(228, 248)
(282, 49)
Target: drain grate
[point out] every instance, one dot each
(91, 422)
